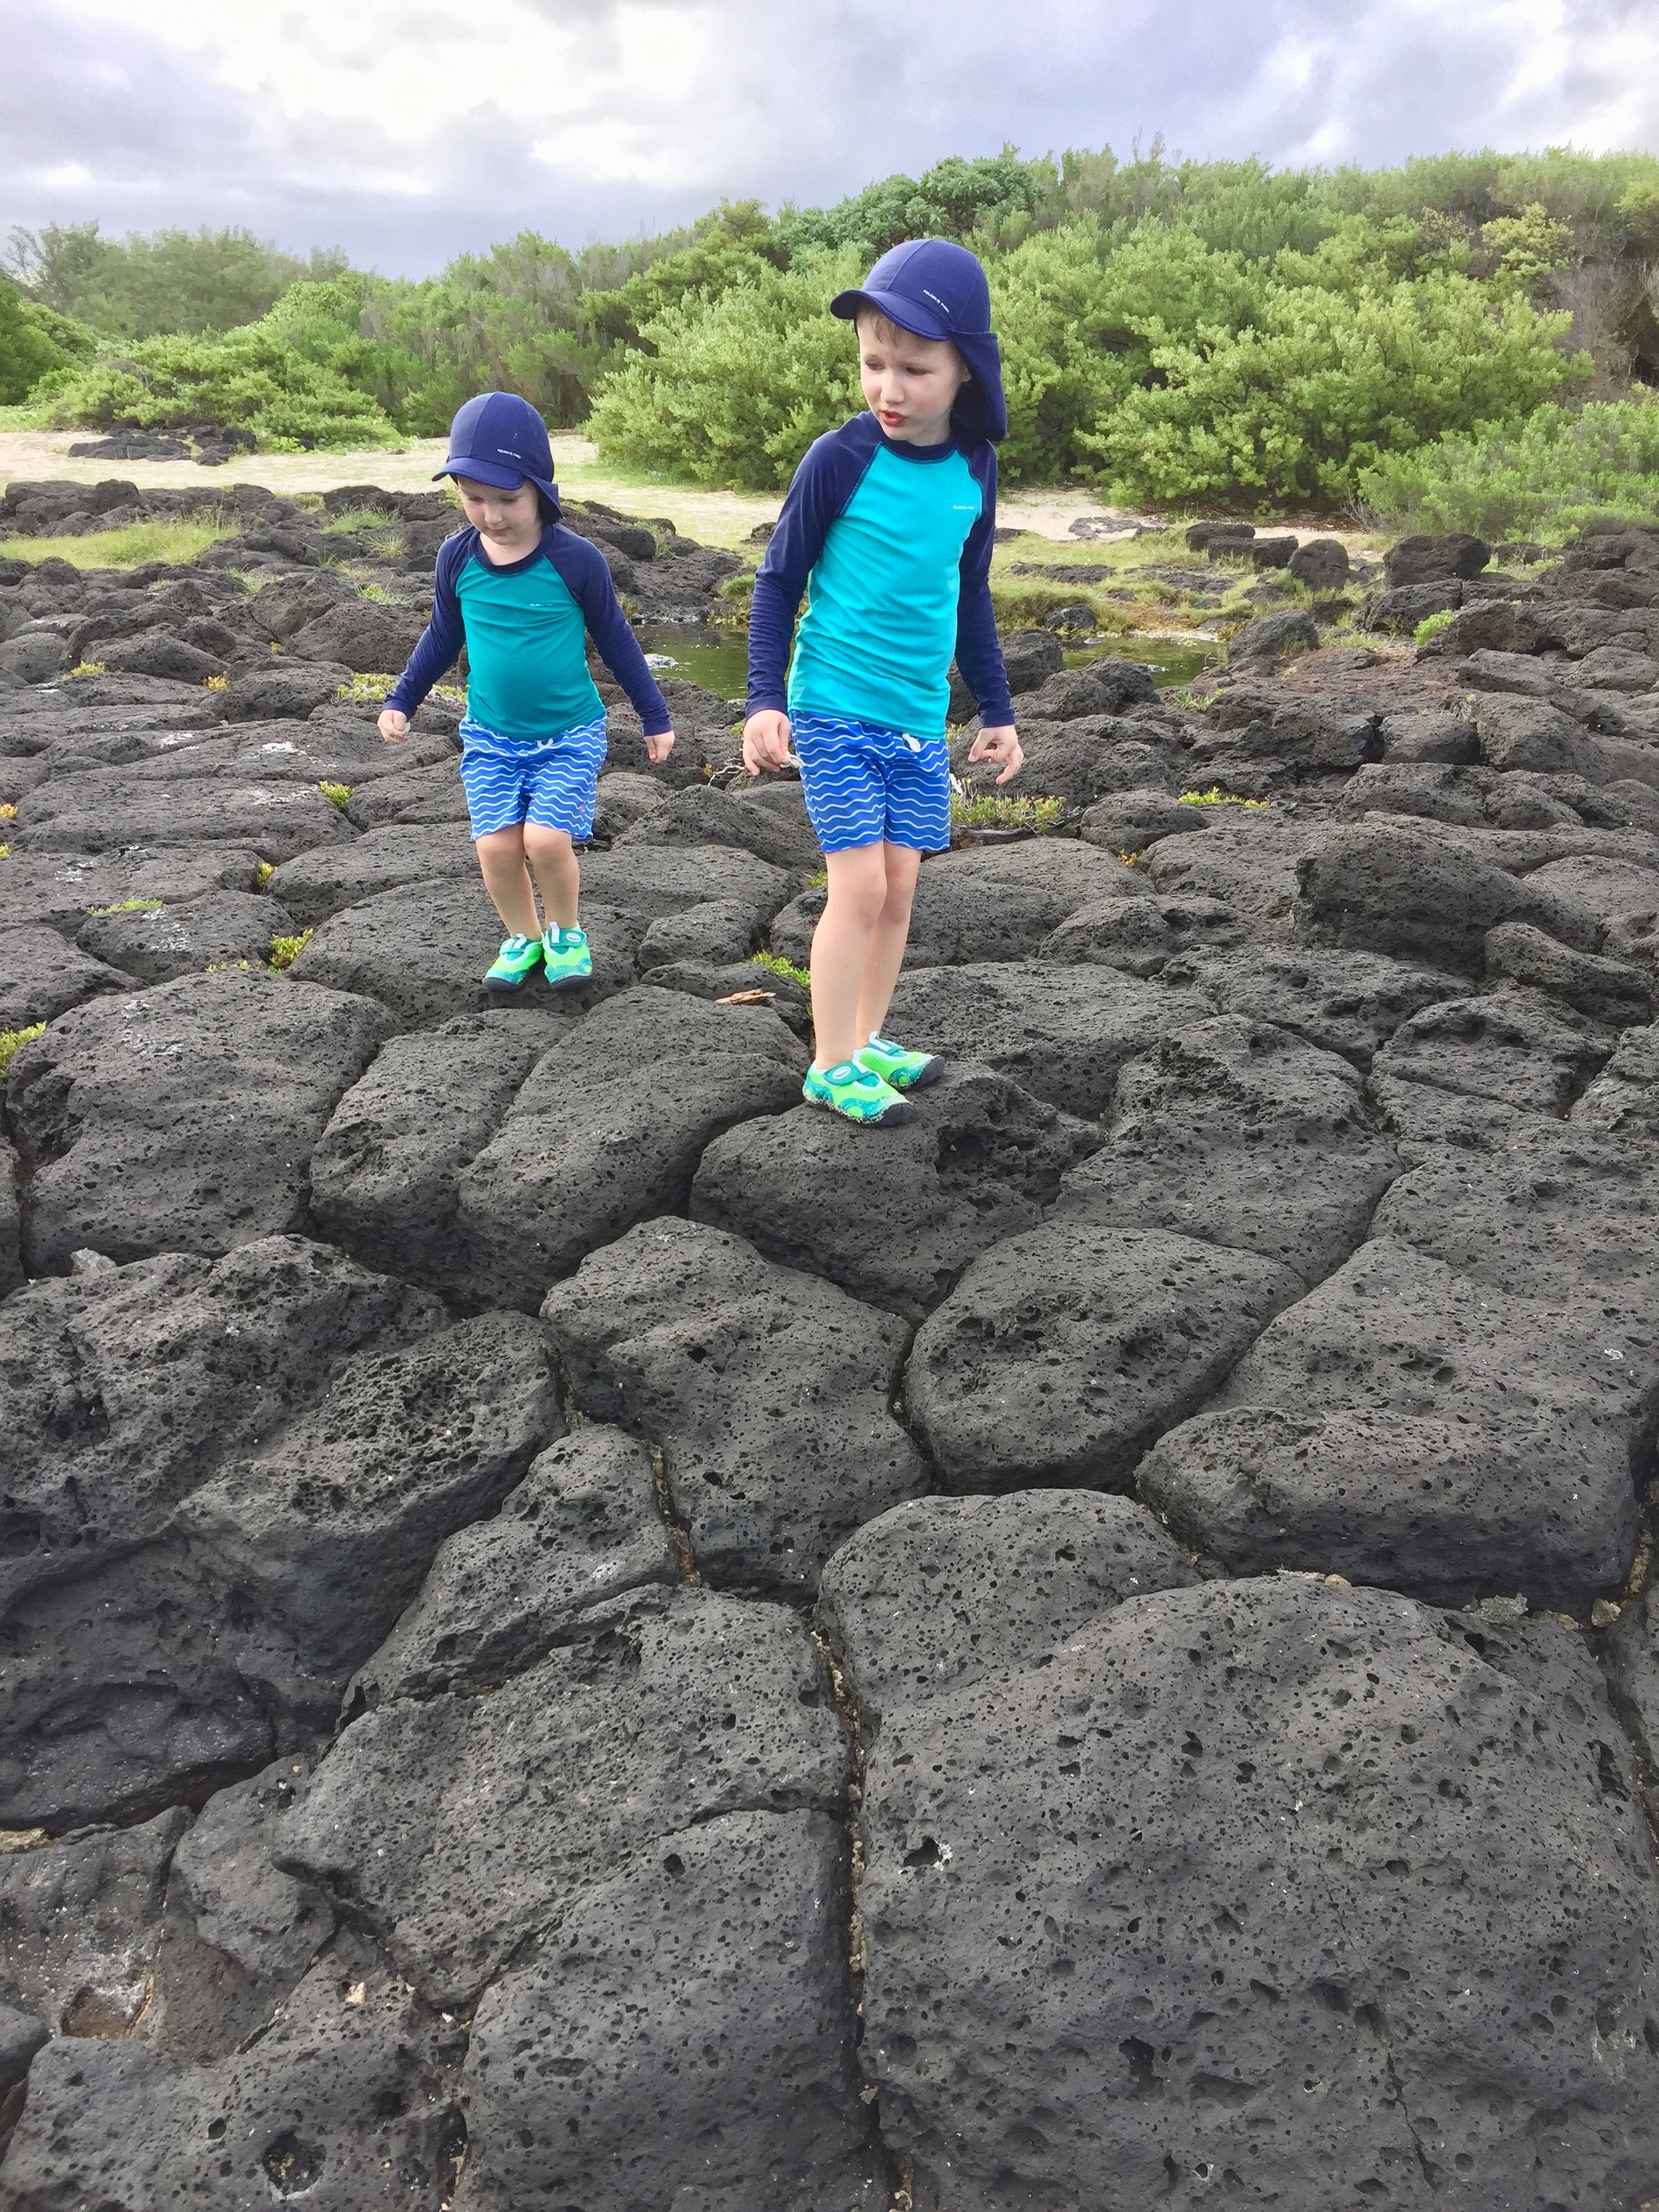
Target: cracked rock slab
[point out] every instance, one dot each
(1239, 1134)
(1508, 1046)
(1065, 1352)
(1253, 1835)
(181, 1117)
(671, 1712)
(729, 1939)
(769, 1393)
(944, 1592)
(982, 1159)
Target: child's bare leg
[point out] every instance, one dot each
(501, 857)
(841, 949)
(887, 941)
(558, 872)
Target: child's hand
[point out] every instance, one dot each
(659, 746)
(766, 741)
(393, 726)
(999, 745)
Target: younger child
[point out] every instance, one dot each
(887, 529)
(523, 594)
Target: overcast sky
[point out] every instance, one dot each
(409, 130)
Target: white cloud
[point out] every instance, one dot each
(407, 130)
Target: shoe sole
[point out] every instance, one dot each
(504, 986)
(568, 983)
(890, 1117)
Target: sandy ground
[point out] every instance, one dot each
(722, 517)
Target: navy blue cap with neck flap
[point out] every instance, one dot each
(935, 288)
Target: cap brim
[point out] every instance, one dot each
(905, 312)
(488, 472)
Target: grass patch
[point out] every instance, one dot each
(127, 906)
(178, 542)
(263, 872)
(986, 811)
(358, 518)
(336, 793)
(285, 951)
(775, 964)
(86, 668)
(1215, 796)
(12, 1041)
(1431, 625)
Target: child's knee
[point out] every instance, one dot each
(500, 844)
(542, 843)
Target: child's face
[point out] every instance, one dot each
(910, 384)
(505, 518)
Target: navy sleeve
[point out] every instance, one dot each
(979, 650)
(581, 567)
(439, 647)
(826, 479)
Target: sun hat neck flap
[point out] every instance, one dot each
(500, 439)
(935, 288)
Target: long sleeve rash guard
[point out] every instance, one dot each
(526, 629)
(890, 544)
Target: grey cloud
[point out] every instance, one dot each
(788, 100)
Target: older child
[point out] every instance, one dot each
(888, 530)
(524, 594)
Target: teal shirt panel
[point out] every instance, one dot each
(880, 628)
(526, 651)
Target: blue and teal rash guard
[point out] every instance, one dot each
(890, 544)
(526, 629)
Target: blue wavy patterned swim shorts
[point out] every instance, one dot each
(865, 784)
(551, 782)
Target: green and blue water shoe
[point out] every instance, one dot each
(514, 964)
(905, 1070)
(566, 958)
(857, 1094)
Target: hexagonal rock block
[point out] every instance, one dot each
(181, 1118)
(1240, 1134)
(673, 1710)
(582, 1528)
(644, 882)
(348, 2097)
(1250, 867)
(216, 930)
(1509, 1047)
(41, 977)
(61, 888)
(1490, 1437)
(422, 952)
(895, 1226)
(1142, 936)
(313, 886)
(768, 1394)
(1064, 1353)
(704, 816)
(1060, 1031)
(1343, 1002)
(270, 1582)
(1306, 1894)
(943, 1591)
(276, 819)
(384, 1172)
(608, 1130)
(734, 1943)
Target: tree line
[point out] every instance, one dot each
(1174, 332)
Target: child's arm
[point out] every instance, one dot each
(437, 649)
(979, 650)
(585, 572)
(819, 491)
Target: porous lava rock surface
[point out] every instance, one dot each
(578, 1633)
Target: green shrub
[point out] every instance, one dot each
(775, 964)
(992, 811)
(336, 793)
(128, 906)
(738, 387)
(1431, 626)
(1537, 479)
(1215, 796)
(27, 352)
(285, 951)
(12, 1041)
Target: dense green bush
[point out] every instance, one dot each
(738, 387)
(1535, 479)
(28, 351)
(294, 378)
